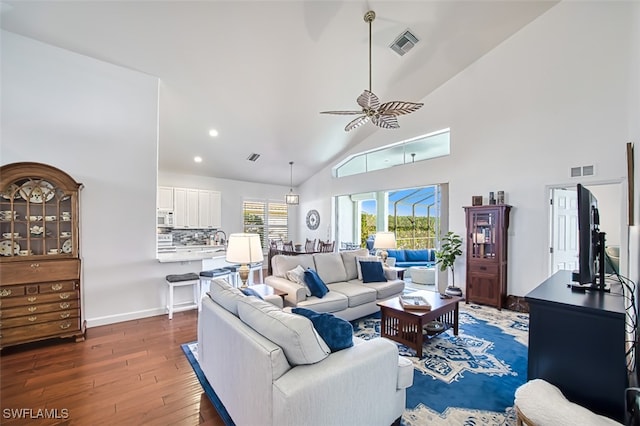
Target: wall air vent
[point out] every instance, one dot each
(404, 42)
(583, 171)
(253, 157)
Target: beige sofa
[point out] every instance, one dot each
(348, 296)
(298, 380)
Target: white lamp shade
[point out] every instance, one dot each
(385, 240)
(244, 249)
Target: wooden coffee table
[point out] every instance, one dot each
(407, 326)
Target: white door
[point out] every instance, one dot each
(564, 229)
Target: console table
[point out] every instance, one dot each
(576, 342)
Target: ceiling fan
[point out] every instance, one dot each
(382, 115)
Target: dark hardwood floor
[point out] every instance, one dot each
(128, 373)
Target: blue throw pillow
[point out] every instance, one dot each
(248, 291)
(398, 254)
(336, 332)
(317, 287)
(417, 255)
(432, 255)
(372, 272)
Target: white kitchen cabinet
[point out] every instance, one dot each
(209, 209)
(185, 213)
(165, 198)
(196, 208)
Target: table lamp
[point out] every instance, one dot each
(383, 241)
(244, 249)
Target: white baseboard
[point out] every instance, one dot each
(129, 316)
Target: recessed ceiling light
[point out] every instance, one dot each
(213, 133)
(197, 159)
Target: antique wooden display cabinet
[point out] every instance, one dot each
(487, 254)
(40, 275)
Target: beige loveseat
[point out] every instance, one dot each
(348, 296)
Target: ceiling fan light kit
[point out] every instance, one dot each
(382, 115)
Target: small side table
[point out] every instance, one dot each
(400, 271)
(266, 290)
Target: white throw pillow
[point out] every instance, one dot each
(365, 259)
(295, 334)
(297, 276)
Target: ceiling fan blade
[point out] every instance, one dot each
(342, 112)
(386, 121)
(356, 123)
(398, 108)
(368, 100)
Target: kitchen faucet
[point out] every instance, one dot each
(222, 241)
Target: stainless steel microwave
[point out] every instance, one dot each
(165, 219)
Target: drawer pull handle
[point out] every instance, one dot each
(65, 305)
(483, 268)
(33, 318)
(5, 292)
(65, 315)
(64, 295)
(65, 325)
(56, 287)
(32, 298)
(35, 265)
(32, 308)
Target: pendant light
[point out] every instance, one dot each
(291, 198)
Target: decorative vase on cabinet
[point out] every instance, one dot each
(39, 256)
(487, 254)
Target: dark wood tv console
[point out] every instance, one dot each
(577, 342)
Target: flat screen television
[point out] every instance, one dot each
(590, 273)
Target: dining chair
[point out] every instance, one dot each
(326, 247)
(310, 245)
(287, 246)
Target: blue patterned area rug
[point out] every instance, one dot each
(469, 379)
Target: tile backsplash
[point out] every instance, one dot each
(193, 237)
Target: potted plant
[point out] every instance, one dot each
(446, 258)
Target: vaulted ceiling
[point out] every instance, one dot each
(259, 72)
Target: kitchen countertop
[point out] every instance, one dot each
(196, 254)
(198, 248)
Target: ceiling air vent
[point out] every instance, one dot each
(404, 42)
(583, 171)
(253, 157)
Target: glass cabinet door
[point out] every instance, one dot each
(36, 219)
(482, 234)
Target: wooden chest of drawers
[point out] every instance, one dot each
(38, 311)
(40, 278)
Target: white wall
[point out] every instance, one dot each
(612, 216)
(634, 136)
(97, 122)
(553, 96)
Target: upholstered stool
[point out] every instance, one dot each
(422, 275)
(234, 277)
(539, 403)
(178, 281)
(205, 281)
